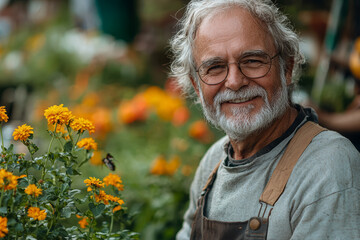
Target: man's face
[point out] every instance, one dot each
(239, 105)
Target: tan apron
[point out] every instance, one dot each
(255, 227)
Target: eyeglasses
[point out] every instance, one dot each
(252, 65)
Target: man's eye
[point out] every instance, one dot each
(254, 61)
(216, 69)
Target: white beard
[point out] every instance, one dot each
(242, 124)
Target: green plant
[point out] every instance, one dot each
(37, 200)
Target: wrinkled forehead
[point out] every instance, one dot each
(245, 16)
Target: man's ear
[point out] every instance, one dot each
(289, 71)
(195, 85)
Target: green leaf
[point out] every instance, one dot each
(66, 212)
(3, 210)
(19, 227)
(96, 209)
(72, 171)
(68, 146)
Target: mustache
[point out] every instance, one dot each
(241, 94)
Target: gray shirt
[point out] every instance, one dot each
(321, 199)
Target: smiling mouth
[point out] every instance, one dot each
(241, 100)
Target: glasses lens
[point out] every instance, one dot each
(213, 73)
(255, 66)
(252, 66)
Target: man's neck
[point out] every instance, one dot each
(252, 144)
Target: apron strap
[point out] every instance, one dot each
(276, 185)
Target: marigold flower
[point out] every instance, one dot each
(36, 213)
(87, 143)
(8, 181)
(162, 167)
(3, 227)
(117, 208)
(181, 115)
(58, 114)
(93, 182)
(133, 110)
(200, 131)
(96, 158)
(82, 124)
(173, 165)
(114, 180)
(83, 222)
(102, 196)
(3, 116)
(33, 190)
(23, 132)
(159, 166)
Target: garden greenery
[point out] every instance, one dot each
(37, 199)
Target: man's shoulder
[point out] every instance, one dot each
(332, 157)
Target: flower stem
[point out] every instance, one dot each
(79, 135)
(2, 195)
(2, 138)
(51, 141)
(111, 224)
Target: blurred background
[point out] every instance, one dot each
(108, 61)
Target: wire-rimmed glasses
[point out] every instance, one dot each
(255, 64)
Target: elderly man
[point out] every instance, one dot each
(277, 174)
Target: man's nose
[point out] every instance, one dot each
(235, 78)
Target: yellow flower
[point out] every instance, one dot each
(36, 213)
(23, 132)
(58, 114)
(82, 124)
(83, 222)
(3, 116)
(33, 190)
(8, 181)
(87, 143)
(114, 180)
(3, 227)
(93, 182)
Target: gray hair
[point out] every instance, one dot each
(285, 39)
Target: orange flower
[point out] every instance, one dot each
(162, 167)
(200, 131)
(33, 190)
(36, 213)
(8, 181)
(83, 222)
(96, 158)
(173, 165)
(163, 103)
(159, 166)
(114, 180)
(3, 116)
(3, 227)
(102, 196)
(87, 143)
(133, 110)
(101, 117)
(181, 115)
(82, 124)
(23, 132)
(58, 114)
